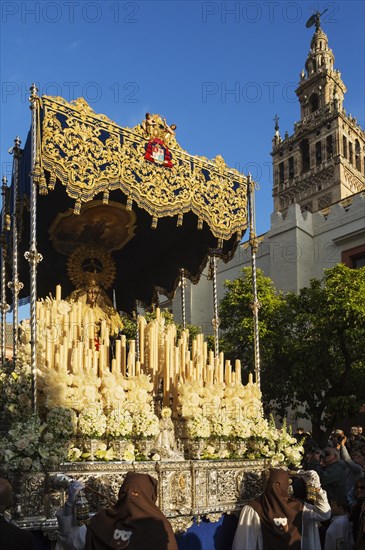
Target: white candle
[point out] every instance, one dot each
(95, 361)
(118, 355)
(123, 354)
(132, 358)
(58, 293)
(237, 369)
(101, 360)
(142, 323)
(114, 366)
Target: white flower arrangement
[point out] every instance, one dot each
(31, 446)
(145, 424)
(92, 421)
(234, 414)
(119, 423)
(221, 425)
(62, 422)
(277, 445)
(198, 427)
(242, 429)
(15, 390)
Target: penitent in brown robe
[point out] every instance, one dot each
(280, 515)
(135, 522)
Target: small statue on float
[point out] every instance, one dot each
(165, 443)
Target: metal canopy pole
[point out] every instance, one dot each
(15, 285)
(32, 254)
(215, 321)
(255, 306)
(183, 302)
(4, 307)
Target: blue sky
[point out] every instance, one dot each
(218, 70)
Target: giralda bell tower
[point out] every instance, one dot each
(323, 161)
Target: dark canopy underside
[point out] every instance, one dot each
(150, 261)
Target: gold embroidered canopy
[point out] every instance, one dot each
(135, 192)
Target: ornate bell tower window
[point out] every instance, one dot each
(318, 152)
(281, 172)
(313, 102)
(329, 146)
(291, 167)
(304, 149)
(357, 155)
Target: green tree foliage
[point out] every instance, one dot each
(236, 319)
(312, 344)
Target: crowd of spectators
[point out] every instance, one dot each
(340, 464)
(320, 506)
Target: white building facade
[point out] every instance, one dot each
(319, 194)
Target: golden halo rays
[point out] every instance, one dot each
(91, 263)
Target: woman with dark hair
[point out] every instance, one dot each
(276, 520)
(134, 522)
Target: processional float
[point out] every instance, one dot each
(125, 213)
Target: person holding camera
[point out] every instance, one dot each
(331, 472)
(353, 471)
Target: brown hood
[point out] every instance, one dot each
(135, 522)
(280, 515)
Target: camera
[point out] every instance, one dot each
(61, 481)
(337, 438)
